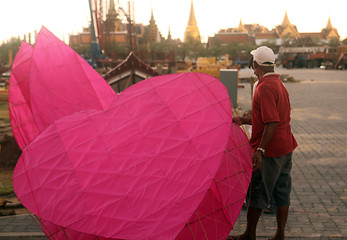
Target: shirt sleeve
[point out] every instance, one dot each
(268, 105)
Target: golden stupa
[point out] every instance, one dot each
(192, 31)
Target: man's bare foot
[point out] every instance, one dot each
(277, 237)
(240, 237)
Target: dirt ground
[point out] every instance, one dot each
(9, 155)
(10, 152)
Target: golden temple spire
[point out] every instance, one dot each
(329, 25)
(169, 34)
(240, 24)
(152, 15)
(192, 19)
(286, 21)
(241, 27)
(192, 30)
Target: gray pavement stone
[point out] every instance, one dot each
(20, 227)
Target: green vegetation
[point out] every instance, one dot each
(6, 170)
(334, 42)
(11, 45)
(6, 187)
(4, 115)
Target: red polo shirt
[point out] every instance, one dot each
(271, 104)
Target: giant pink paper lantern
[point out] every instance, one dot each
(161, 161)
(22, 121)
(49, 82)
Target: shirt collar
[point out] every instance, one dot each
(266, 75)
(269, 73)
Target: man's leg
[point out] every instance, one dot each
(282, 197)
(253, 215)
(281, 217)
(258, 198)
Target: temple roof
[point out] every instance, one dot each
(286, 28)
(128, 72)
(329, 31)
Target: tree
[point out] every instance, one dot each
(271, 43)
(116, 50)
(334, 42)
(216, 49)
(192, 49)
(11, 45)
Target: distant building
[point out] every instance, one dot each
(152, 33)
(227, 37)
(286, 29)
(111, 30)
(82, 39)
(261, 38)
(192, 30)
(329, 31)
(241, 28)
(114, 31)
(305, 50)
(257, 34)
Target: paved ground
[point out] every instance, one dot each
(319, 196)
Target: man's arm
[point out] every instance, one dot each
(269, 131)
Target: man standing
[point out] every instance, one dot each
(272, 143)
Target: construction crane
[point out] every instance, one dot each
(130, 24)
(95, 34)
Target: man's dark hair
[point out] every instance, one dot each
(265, 68)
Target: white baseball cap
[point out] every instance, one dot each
(264, 56)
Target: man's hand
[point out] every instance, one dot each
(269, 131)
(237, 120)
(242, 120)
(257, 158)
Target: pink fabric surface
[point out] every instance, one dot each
(161, 161)
(22, 121)
(64, 82)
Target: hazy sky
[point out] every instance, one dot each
(63, 17)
